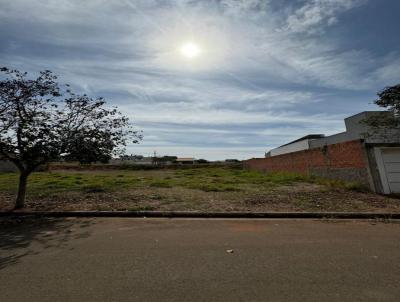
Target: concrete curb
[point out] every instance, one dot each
(159, 214)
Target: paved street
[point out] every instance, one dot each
(125, 259)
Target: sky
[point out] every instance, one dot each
(213, 79)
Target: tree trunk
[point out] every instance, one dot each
(23, 179)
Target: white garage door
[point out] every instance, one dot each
(390, 169)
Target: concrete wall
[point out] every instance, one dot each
(334, 139)
(347, 161)
(130, 162)
(356, 129)
(297, 146)
(375, 172)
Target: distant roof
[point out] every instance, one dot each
(185, 159)
(369, 112)
(310, 136)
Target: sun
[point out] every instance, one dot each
(190, 50)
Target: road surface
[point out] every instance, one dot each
(130, 259)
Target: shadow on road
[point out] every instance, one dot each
(20, 237)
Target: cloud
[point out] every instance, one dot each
(266, 74)
(315, 14)
(388, 73)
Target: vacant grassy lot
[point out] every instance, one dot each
(200, 189)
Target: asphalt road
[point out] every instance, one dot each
(125, 259)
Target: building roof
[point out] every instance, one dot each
(185, 159)
(309, 136)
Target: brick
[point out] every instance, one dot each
(345, 155)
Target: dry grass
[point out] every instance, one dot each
(200, 189)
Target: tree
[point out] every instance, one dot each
(389, 98)
(386, 121)
(40, 122)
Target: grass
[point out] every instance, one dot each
(217, 179)
(204, 189)
(51, 182)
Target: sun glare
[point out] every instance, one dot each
(190, 50)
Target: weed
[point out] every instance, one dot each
(142, 208)
(356, 186)
(161, 184)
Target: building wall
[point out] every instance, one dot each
(297, 146)
(346, 161)
(131, 162)
(334, 139)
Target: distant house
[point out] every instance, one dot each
(166, 160)
(185, 160)
(232, 160)
(357, 154)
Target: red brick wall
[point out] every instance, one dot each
(346, 156)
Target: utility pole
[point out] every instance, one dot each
(155, 158)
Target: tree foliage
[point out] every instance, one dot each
(389, 98)
(41, 122)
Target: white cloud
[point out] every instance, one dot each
(256, 83)
(389, 72)
(315, 14)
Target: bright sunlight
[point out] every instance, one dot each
(190, 50)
